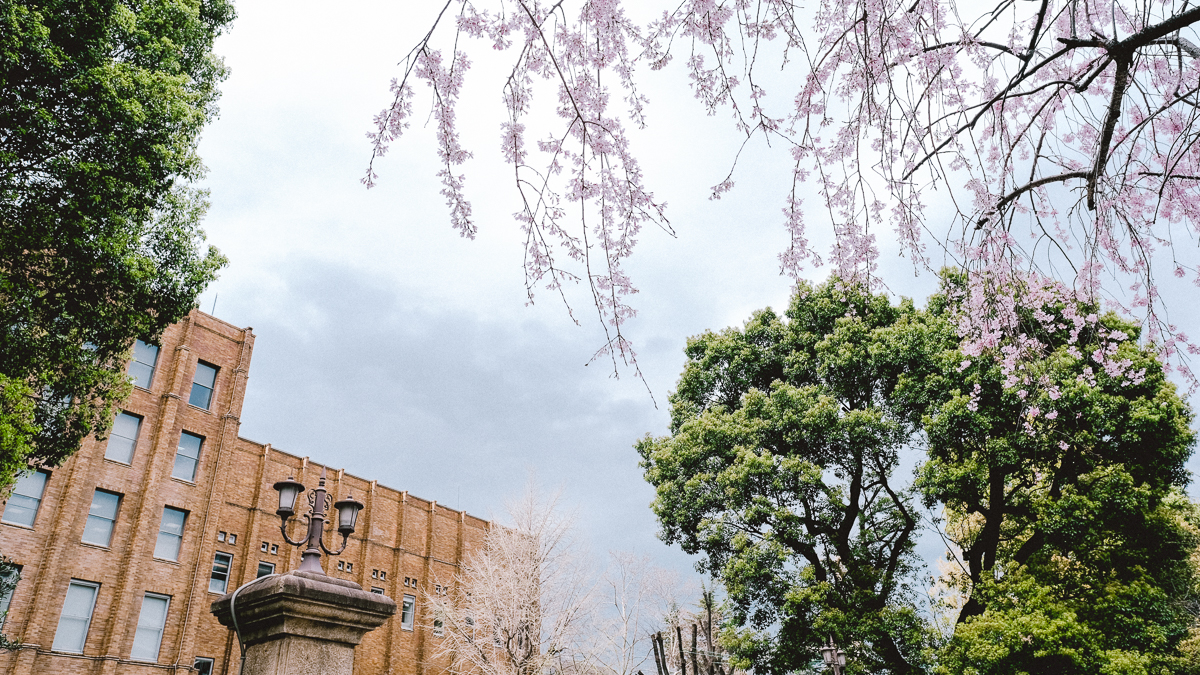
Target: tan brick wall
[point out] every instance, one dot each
(401, 536)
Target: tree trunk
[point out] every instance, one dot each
(682, 658)
(660, 657)
(695, 670)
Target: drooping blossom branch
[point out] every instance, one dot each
(1020, 141)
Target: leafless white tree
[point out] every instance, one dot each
(521, 603)
(529, 602)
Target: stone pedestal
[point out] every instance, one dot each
(302, 623)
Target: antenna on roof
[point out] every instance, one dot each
(214, 309)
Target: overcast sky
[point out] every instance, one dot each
(392, 347)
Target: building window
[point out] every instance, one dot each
(203, 665)
(407, 609)
(219, 580)
(101, 517)
(377, 590)
(141, 368)
(76, 617)
(265, 568)
(232, 539)
(274, 549)
(123, 439)
(8, 580)
(265, 546)
(26, 497)
(438, 627)
(187, 457)
(151, 621)
(221, 536)
(170, 534)
(202, 385)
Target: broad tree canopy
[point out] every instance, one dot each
(802, 446)
(101, 106)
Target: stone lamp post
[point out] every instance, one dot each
(304, 622)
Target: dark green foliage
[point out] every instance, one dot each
(1062, 491)
(781, 469)
(101, 106)
(1058, 474)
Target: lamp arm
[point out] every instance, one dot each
(345, 541)
(283, 531)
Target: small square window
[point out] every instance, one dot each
(220, 536)
(265, 568)
(349, 567)
(122, 440)
(274, 549)
(264, 547)
(203, 665)
(382, 575)
(232, 538)
(26, 498)
(202, 385)
(374, 574)
(438, 627)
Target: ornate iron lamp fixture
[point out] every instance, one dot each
(833, 657)
(318, 502)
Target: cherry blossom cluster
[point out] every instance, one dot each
(1048, 140)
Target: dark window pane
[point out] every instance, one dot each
(265, 568)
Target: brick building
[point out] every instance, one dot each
(124, 547)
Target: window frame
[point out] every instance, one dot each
(161, 630)
(133, 442)
(6, 599)
(259, 573)
(112, 522)
(212, 665)
(39, 499)
(210, 390)
(228, 572)
(87, 624)
(194, 460)
(152, 366)
(408, 604)
(179, 537)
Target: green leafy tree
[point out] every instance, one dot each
(1061, 472)
(101, 106)
(781, 468)
(1055, 454)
